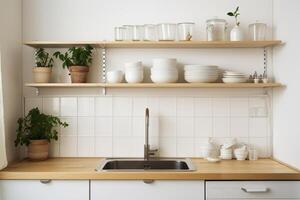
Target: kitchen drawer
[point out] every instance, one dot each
(137, 189)
(35, 190)
(253, 189)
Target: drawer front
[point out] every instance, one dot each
(137, 189)
(253, 189)
(35, 190)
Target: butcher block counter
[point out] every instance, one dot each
(84, 168)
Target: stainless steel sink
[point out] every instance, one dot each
(149, 165)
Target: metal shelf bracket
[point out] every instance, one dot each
(265, 61)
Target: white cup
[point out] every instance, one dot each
(115, 76)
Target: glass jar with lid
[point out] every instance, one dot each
(166, 32)
(185, 31)
(119, 33)
(149, 32)
(216, 29)
(128, 32)
(257, 31)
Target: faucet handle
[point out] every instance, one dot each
(153, 152)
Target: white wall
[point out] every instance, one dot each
(286, 70)
(11, 63)
(96, 19)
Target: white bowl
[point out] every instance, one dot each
(134, 65)
(157, 78)
(234, 80)
(165, 63)
(114, 76)
(189, 73)
(164, 73)
(200, 67)
(134, 76)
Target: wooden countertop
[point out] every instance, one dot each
(84, 168)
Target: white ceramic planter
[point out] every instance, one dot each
(236, 34)
(42, 74)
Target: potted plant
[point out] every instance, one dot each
(36, 130)
(236, 33)
(77, 60)
(43, 69)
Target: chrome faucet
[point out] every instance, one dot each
(147, 151)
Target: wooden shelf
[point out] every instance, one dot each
(153, 85)
(155, 44)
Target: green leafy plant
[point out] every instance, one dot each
(81, 56)
(235, 14)
(37, 126)
(43, 58)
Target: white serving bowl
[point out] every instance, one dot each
(165, 63)
(241, 155)
(132, 76)
(158, 78)
(115, 76)
(134, 65)
(200, 67)
(234, 80)
(164, 73)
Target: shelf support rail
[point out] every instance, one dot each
(104, 69)
(265, 61)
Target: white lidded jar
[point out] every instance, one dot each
(216, 29)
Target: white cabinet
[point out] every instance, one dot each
(137, 189)
(252, 190)
(35, 190)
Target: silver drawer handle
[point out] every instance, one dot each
(45, 181)
(255, 190)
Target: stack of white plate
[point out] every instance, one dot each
(234, 77)
(201, 73)
(164, 70)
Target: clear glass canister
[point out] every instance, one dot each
(216, 29)
(137, 32)
(257, 31)
(128, 32)
(119, 33)
(166, 32)
(185, 31)
(149, 32)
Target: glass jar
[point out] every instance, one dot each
(128, 32)
(149, 32)
(185, 31)
(119, 33)
(257, 31)
(216, 29)
(166, 32)
(137, 32)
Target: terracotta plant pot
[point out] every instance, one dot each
(79, 74)
(42, 74)
(38, 150)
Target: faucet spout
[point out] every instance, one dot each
(146, 145)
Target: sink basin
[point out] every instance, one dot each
(140, 164)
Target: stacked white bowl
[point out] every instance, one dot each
(201, 73)
(234, 77)
(115, 76)
(164, 70)
(134, 72)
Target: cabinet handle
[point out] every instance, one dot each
(45, 181)
(255, 190)
(148, 181)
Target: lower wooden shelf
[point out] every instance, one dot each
(153, 85)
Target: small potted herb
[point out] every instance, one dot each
(77, 60)
(236, 33)
(36, 130)
(43, 69)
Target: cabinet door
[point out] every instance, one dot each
(36, 190)
(137, 189)
(253, 190)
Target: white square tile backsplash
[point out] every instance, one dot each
(179, 125)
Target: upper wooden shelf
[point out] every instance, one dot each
(156, 44)
(153, 85)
